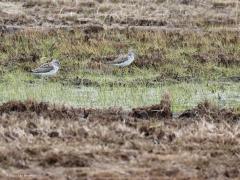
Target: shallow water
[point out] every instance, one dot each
(184, 95)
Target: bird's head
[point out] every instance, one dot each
(55, 62)
(131, 53)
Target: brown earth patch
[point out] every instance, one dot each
(31, 108)
(219, 57)
(201, 57)
(227, 59)
(65, 160)
(154, 58)
(222, 5)
(159, 111)
(93, 28)
(210, 112)
(23, 60)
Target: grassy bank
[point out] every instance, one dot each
(161, 55)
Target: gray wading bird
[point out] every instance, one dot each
(48, 69)
(123, 60)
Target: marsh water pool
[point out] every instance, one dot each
(183, 95)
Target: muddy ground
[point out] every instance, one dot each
(43, 141)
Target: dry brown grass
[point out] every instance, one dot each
(112, 144)
(170, 14)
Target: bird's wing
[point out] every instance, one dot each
(43, 68)
(118, 60)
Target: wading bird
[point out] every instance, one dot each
(123, 60)
(48, 69)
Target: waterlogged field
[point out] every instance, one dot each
(184, 95)
(174, 113)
